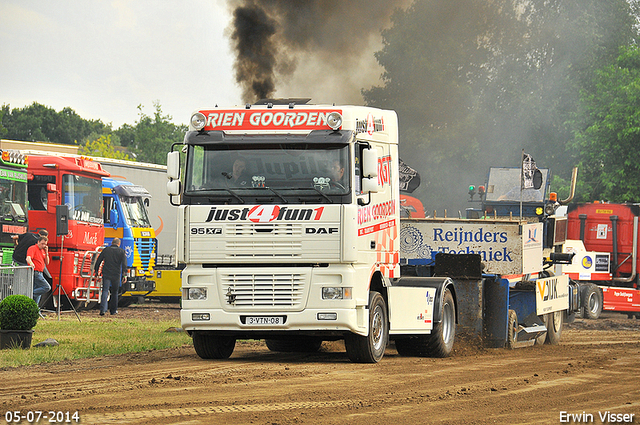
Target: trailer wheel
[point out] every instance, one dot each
(512, 330)
(300, 344)
(440, 342)
(592, 302)
(370, 348)
(553, 322)
(213, 347)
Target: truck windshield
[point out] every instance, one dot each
(83, 196)
(134, 211)
(13, 198)
(274, 170)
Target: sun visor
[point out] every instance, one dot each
(132, 191)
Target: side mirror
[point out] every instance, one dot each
(173, 165)
(173, 187)
(370, 162)
(113, 215)
(370, 185)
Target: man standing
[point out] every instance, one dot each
(113, 272)
(38, 258)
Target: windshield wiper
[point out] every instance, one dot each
(277, 194)
(206, 189)
(322, 193)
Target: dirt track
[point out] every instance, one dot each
(596, 368)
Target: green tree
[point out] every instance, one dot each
(607, 132)
(152, 136)
(39, 123)
(103, 147)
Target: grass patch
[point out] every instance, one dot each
(94, 337)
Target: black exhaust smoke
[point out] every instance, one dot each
(269, 36)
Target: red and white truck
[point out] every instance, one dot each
(55, 181)
(289, 226)
(604, 238)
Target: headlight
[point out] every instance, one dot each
(196, 293)
(336, 293)
(334, 120)
(198, 120)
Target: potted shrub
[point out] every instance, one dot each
(18, 317)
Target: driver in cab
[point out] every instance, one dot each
(238, 176)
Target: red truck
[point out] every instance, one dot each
(75, 231)
(604, 238)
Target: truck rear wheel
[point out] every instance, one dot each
(592, 302)
(440, 342)
(553, 322)
(370, 348)
(213, 347)
(300, 344)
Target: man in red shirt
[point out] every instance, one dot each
(38, 258)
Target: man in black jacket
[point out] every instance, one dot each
(113, 272)
(23, 242)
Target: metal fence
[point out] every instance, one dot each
(16, 280)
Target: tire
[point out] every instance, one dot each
(300, 344)
(213, 347)
(592, 302)
(512, 330)
(370, 348)
(443, 334)
(553, 322)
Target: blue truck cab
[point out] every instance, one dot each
(125, 217)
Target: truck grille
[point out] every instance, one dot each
(264, 290)
(146, 250)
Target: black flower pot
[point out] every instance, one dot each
(15, 338)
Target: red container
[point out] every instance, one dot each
(598, 222)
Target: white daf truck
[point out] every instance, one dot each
(290, 231)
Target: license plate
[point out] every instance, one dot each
(265, 320)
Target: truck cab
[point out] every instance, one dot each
(69, 187)
(289, 227)
(125, 217)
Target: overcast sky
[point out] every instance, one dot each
(103, 58)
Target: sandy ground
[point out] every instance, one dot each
(594, 370)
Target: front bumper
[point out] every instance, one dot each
(139, 284)
(306, 322)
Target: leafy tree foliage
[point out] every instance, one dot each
(102, 147)
(39, 123)
(148, 140)
(152, 136)
(608, 131)
(475, 82)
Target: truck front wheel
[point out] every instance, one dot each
(213, 347)
(370, 348)
(553, 322)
